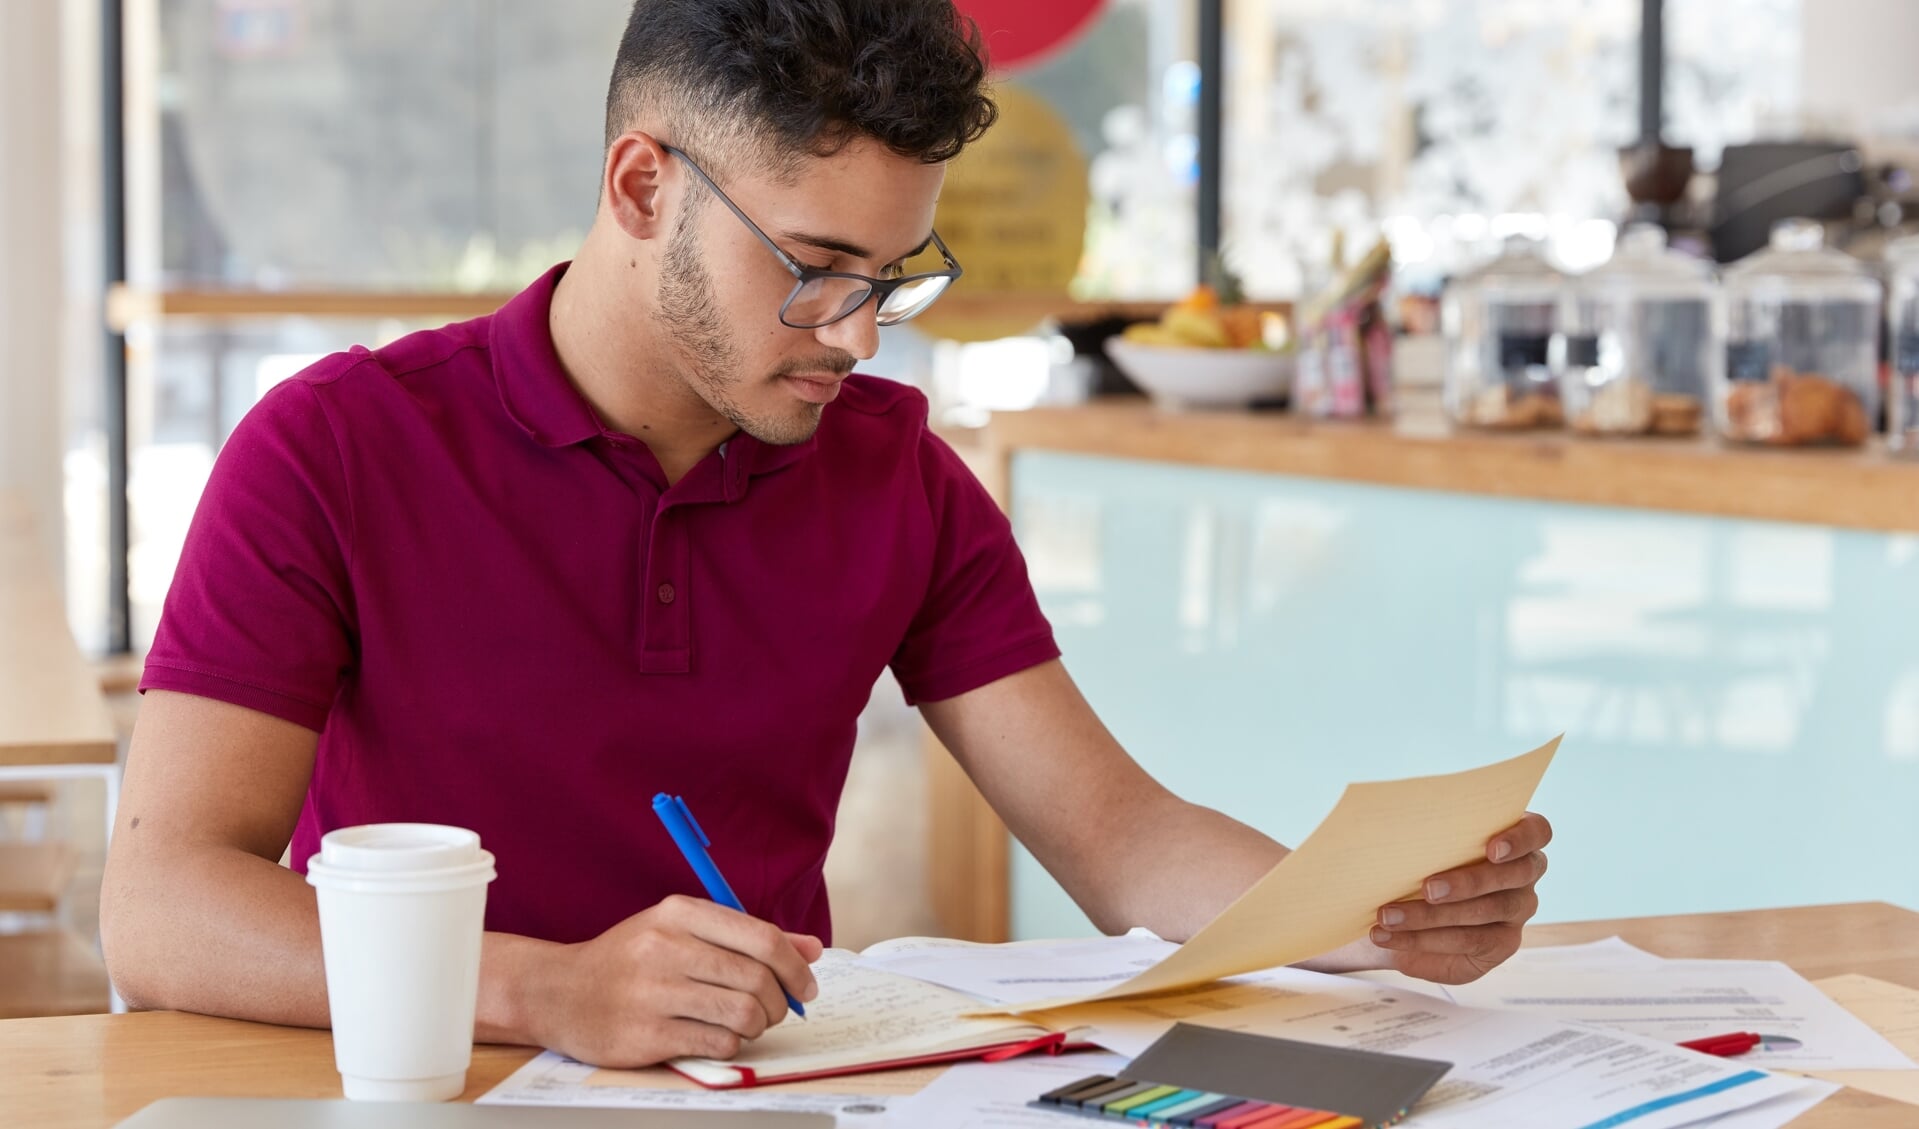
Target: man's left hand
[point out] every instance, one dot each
(1469, 919)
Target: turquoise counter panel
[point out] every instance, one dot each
(1740, 699)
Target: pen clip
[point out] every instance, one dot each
(686, 813)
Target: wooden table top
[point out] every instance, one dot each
(51, 711)
(1856, 489)
(89, 1072)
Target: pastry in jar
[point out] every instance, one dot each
(1504, 408)
(1796, 409)
(1617, 407)
(1675, 413)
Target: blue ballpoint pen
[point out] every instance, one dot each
(692, 842)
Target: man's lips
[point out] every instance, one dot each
(816, 388)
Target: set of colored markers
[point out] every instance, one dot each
(1148, 1103)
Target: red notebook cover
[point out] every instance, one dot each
(1054, 1043)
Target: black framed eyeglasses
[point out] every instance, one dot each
(822, 297)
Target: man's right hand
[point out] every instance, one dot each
(197, 915)
(686, 977)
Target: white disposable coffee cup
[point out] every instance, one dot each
(402, 911)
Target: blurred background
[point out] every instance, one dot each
(200, 197)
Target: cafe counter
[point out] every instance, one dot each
(1842, 488)
(1263, 609)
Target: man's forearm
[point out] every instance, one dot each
(1180, 865)
(1128, 851)
(241, 938)
(1197, 862)
(515, 984)
(213, 930)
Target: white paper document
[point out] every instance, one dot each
(1774, 1114)
(1389, 978)
(1678, 1000)
(1611, 952)
(994, 1095)
(1893, 1011)
(551, 1079)
(1022, 972)
(1593, 956)
(1509, 1068)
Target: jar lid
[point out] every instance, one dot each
(1644, 265)
(1519, 271)
(1797, 263)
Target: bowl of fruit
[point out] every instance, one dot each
(1207, 353)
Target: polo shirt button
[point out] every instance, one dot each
(666, 593)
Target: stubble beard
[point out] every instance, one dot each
(690, 314)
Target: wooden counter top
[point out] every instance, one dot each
(92, 1071)
(1870, 938)
(1867, 489)
(87, 1072)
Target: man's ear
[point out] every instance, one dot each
(634, 174)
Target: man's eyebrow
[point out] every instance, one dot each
(924, 244)
(845, 247)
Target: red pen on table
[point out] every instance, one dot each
(1725, 1046)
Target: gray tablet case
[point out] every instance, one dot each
(1376, 1088)
(256, 1113)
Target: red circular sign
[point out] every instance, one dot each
(1017, 31)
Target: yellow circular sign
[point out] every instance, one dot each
(1013, 211)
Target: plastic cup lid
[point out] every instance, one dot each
(392, 847)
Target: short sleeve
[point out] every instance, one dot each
(980, 620)
(260, 613)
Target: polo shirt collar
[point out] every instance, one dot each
(747, 456)
(541, 398)
(724, 474)
(534, 387)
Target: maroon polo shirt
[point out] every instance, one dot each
(497, 615)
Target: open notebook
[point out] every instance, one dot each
(865, 1019)
(1316, 899)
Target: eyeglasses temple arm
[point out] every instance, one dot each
(785, 259)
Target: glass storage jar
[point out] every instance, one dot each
(1801, 323)
(1902, 262)
(1637, 350)
(1499, 323)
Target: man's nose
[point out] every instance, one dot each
(857, 333)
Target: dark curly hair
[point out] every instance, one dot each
(781, 79)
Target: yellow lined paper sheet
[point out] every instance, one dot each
(1378, 845)
(1893, 1011)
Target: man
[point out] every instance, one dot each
(641, 531)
